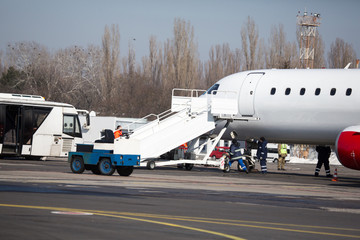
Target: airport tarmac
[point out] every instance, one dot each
(44, 199)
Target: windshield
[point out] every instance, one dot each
(72, 126)
(213, 88)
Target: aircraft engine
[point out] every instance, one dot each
(348, 147)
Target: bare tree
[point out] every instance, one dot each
(281, 54)
(319, 46)
(183, 56)
(77, 72)
(32, 60)
(152, 64)
(341, 53)
(252, 46)
(222, 62)
(111, 52)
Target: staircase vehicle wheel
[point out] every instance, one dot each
(150, 165)
(125, 171)
(226, 168)
(77, 164)
(180, 166)
(105, 167)
(189, 166)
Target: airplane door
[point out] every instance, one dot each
(247, 94)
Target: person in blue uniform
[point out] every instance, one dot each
(323, 158)
(261, 154)
(235, 155)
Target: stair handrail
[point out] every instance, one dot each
(192, 92)
(158, 117)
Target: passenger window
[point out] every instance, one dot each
(287, 91)
(317, 91)
(302, 91)
(273, 91)
(348, 91)
(333, 91)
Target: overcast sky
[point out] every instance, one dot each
(65, 23)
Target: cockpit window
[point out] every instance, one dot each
(213, 88)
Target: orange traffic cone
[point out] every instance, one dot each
(335, 178)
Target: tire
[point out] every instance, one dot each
(180, 166)
(213, 158)
(275, 160)
(105, 167)
(125, 171)
(189, 166)
(150, 165)
(77, 164)
(226, 168)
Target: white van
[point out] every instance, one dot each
(272, 153)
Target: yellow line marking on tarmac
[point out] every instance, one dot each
(126, 217)
(185, 218)
(241, 223)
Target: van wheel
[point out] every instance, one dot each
(275, 160)
(77, 164)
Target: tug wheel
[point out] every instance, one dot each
(125, 171)
(77, 164)
(105, 167)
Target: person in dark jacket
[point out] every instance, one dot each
(323, 158)
(235, 155)
(261, 154)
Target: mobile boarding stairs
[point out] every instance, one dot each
(193, 113)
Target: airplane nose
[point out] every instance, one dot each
(348, 149)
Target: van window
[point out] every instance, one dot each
(302, 91)
(287, 91)
(273, 91)
(348, 91)
(317, 91)
(332, 91)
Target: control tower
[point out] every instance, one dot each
(308, 25)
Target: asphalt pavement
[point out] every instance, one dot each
(45, 200)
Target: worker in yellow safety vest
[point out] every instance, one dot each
(282, 151)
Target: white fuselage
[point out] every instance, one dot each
(286, 105)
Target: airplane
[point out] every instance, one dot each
(300, 106)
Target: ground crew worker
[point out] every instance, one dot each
(235, 155)
(282, 151)
(182, 149)
(118, 132)
(323, 158)
(261, 154)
